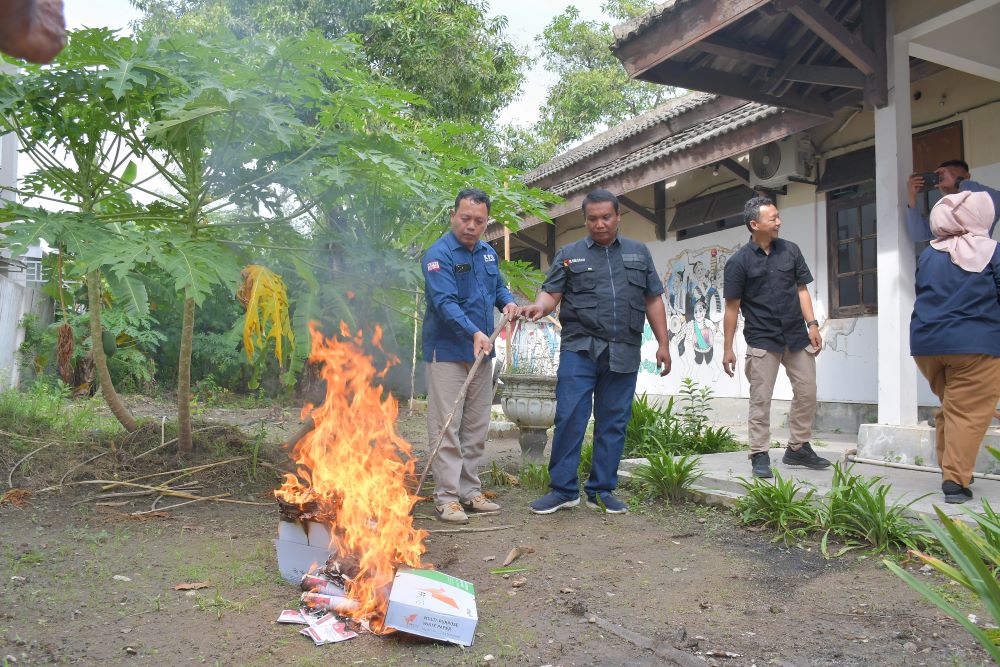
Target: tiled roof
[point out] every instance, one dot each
(693, 136)
(628, 31)
(670, 109)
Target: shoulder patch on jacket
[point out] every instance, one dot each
(434, 266)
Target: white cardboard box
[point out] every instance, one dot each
(433, 604)
(301, 549)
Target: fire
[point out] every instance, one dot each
(355, 466)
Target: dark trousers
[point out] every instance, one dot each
(583, 385)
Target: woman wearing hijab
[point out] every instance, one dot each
(955, 331)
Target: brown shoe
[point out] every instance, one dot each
(452, 513)
(480, 504)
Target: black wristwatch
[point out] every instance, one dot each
(812, 322)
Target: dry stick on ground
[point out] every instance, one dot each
(50, 441)
(474, 530)
(458, 401)
(186, 502)
(10, 476)
(157, 489)
(80, 465)
(659, 648)
(170, 442)
(184, 471)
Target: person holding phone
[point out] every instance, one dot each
(951, 177)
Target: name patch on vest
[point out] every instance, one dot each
(574, 260)
(632, 257)
(489, 258)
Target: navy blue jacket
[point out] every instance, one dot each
(461, 288)
(955, 312)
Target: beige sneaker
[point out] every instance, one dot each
(480, 504)
(452, 513)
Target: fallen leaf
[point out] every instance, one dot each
(193, 586)
(16, 497)
(489, 558)
(516, 553)
(567, 590)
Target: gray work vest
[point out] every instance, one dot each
(605, 294)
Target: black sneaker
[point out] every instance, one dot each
(611, 505)
(761, 465)
(804, 456)
(954, 493)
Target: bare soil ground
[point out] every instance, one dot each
(83, 584)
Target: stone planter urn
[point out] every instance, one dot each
(528, 396)
(530, 402)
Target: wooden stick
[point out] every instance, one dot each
(458, 401)
(170, 442)
(469, 530)
(185, 471)
(186, 502)
(157, 489)
(79, 465)
(10, 476)
(658, 647)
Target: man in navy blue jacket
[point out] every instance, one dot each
(462, 286)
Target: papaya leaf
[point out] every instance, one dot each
(130, 293)
(265, 298)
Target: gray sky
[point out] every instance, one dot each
(526, 19)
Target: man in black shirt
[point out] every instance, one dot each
(766, 280)
(608, 289)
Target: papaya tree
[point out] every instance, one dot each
(69, 117)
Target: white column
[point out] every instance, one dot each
(897, 374)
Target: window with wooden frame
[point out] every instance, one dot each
(851, 224)
(853, 252)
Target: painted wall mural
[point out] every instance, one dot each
(693, 282)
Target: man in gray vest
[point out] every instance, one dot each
(609, 288)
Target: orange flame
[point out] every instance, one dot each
(355, 466)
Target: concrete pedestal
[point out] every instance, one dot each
(916, 445)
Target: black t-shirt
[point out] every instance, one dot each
(768, 287)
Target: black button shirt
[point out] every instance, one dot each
(768, 287)
(604, 292)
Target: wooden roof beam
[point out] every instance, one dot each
(667, 38)
(737, 170)
(658, 217)
(726, 48)
(733, 85)
(777, 84)
(844, 77)
(833, 33)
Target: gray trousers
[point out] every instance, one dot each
(762, 371)
(456, 467)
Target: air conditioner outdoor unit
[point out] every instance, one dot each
(775, 164)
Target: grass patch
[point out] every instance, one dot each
(535, 476)
(668, 477)
(783, 506)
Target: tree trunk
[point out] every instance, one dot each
(184, 379)
(111, 396)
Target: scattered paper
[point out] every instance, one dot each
(292, 616)
(327, 630)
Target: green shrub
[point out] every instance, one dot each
(654, 428)
(857, 509)
(668, 477)
(44, 409)
(976, 563)
(586, 460)
(782, 505)
(535, 476)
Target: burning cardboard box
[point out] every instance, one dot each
(433, 604)
(302, 547)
